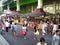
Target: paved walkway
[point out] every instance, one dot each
(3, 41)
(13, 40)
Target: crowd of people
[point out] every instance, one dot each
(55, 39)
(8, 24)
(47, 27)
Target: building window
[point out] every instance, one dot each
(57, 6)
(28, 8)
(49, 8)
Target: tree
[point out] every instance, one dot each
(18, 5)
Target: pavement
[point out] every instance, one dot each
(3, 41)
(13, 40)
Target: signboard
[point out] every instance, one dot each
(49, 8)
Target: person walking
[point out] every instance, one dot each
(7, 25)
(3, 25)
(55, 27)
(12, 26)
(24, 31)
(15, 30)
(42, 41)
(56, 38)
(44, 28)
(36, 33)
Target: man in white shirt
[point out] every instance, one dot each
(56, 38)
(7, 25)
(55, 27)
(42, 41)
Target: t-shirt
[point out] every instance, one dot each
(25, 22)
(44, 25)
(15, 27)
(40, 43)
(7, 24)
(56, 39)
(55, 27)
(24, 28)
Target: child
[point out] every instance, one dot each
(44, 28)
(36, 34)
(15, 29)
(12, 26)
(3, 25)
(24, 30)
(42, 41)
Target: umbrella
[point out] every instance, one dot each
(34, 14)
(11, 14)
(3, 14)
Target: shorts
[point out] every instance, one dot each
(15, 31)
